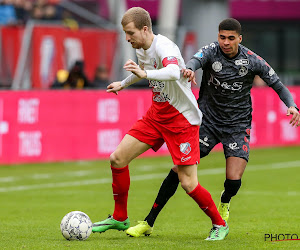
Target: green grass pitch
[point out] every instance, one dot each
(34, 199)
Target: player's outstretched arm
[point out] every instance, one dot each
(114, 87)
(188, 73)
(295, 120)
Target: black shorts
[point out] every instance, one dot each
(235, 142)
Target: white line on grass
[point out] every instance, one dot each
(271, 193)
(47, 176)
(215, 171)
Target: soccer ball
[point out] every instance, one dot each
(76, 225)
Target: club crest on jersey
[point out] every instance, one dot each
(241, 62)
(217, 66)
(185, 148)
(153, 62)
(243, 71)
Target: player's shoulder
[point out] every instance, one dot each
(163, 41)
(257, 62)
(208, 49)
(164, 44)
(212, 47)
(252, 56)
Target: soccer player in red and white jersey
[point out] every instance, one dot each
(173, 118)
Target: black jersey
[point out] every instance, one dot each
(224, 96)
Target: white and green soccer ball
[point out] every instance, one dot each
(76, 225)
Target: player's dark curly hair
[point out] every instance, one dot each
(231, 24)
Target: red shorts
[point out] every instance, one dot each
(182, 142)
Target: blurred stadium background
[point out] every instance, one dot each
(40, 41)
(42, 127)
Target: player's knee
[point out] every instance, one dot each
(232, 186)
(116, 160)
(188, 185)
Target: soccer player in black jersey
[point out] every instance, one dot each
(224, 99)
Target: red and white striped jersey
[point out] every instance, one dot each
(171, 99)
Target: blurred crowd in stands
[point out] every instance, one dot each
(18, 12)
(76, 78)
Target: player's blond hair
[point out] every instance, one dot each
(139, 16)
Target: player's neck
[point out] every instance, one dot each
(149, 41)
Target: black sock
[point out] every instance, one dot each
(166, 191)
(231, 189)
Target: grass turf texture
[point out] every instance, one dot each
(34, 199)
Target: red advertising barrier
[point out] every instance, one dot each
(44, 126)
(54, 48)
(57, 48)
(10, 40)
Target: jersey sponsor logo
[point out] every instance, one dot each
(156, 85)
(245, 148)
(185, 148)
(233, 146)
(248, 131)
(169, 60)
(161, 97)
(236, 86)
(271, 72)
(217, 66)
(246, 139)
(241, 62)
(243, 71)
(185, 159)
(153, 62)
(204, 141)
(226, 86)
(157, 88)
(166, 96)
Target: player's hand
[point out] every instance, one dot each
(295, 121)
(135, 69)
(114, 87)
(187, 73)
